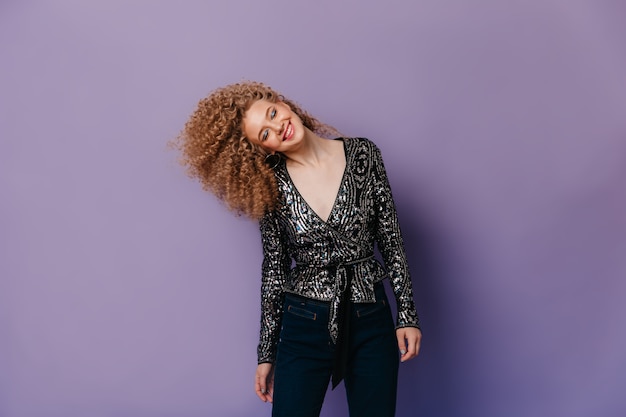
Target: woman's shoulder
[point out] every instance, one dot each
(357, 140)
(361, 144)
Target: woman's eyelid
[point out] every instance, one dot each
(266, 132)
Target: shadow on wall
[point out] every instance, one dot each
(426, 383)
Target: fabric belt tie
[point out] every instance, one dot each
(339, 316)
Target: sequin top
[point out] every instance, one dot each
(308, 256)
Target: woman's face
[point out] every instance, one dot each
(273, 126)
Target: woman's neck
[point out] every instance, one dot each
(313, 150)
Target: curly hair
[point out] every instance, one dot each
(216, 152)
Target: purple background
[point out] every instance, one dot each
(126, 291)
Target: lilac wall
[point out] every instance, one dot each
(503, 130)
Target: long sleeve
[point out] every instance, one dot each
(276, 263)
(391, 245)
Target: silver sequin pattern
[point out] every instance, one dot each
(306, 256)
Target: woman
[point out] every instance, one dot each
(321, 205)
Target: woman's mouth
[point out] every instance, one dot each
(288, 132)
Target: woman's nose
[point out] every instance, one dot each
(278, 127)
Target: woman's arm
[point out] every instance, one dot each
(276, 263)
(391, 245)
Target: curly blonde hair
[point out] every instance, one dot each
(216, 152)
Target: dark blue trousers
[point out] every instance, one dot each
(306, 354)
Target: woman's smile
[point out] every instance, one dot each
(288, 132)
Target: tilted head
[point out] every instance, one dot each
(216, 152)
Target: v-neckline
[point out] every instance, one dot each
(343, 178)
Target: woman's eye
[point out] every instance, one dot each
(264, 135)
(273, 114)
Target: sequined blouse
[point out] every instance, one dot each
(305, 255)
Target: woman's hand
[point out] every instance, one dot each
(409, 339)
(264, 381)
